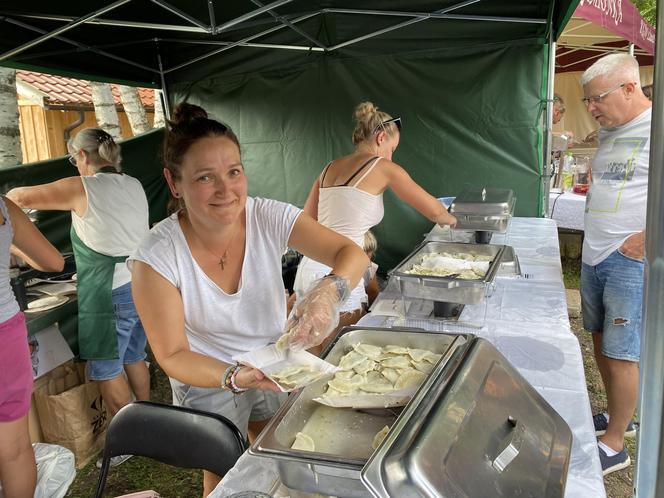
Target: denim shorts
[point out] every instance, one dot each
(131, 337)
(251, 406)
(612, 303)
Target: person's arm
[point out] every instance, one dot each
(634, 246)
(30, 245)
(159, 305)
(316, 314)
(66, 194)
(372, 290)
(411, 193)
(311, 204)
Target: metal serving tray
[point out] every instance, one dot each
(474, 428)
(447, 289)
(342, 436)
(484, 209)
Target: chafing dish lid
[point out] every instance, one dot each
(484, 202)
(479, 430)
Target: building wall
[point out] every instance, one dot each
(42, 130)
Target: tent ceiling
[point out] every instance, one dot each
(142, 40)
(582, 43)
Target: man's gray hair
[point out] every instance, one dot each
(612, 65)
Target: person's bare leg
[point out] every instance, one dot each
(18, 470)
(600, 359)
(622, 397)
(139, 379)
(116, 393)
(210, 481)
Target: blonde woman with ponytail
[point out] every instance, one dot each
(348, 195)
(109, 213)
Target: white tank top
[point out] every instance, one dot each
(116, 220)
(348, 210)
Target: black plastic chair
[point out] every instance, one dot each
(175, 435)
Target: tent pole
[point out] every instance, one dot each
(649, 478)
(61, 29)
(546, 174)
(631, 49)
(164, 90)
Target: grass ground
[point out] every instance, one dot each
(141, 473)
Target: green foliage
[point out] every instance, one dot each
(571, 273)
(648, 9)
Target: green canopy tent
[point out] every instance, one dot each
(470, 79)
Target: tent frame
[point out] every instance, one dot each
(195, 25)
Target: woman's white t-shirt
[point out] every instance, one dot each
(218, 324)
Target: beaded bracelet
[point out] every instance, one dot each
(225, 377)
(234, 387)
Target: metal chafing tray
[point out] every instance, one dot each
(474, 428)
(484, 209)
(447, 289)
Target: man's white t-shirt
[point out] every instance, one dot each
(617, 198)
(218, 324)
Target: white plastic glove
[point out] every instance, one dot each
(316, 315)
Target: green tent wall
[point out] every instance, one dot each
(470, 117)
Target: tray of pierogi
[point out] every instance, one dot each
(471, 424)
(449, 271)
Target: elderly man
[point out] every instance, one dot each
(614, 245)
(558, 108)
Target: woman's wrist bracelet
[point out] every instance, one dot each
(234, 387)
(225, 377)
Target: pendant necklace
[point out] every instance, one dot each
(224, 256)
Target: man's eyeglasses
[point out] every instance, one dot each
(597, 99)
(396, 121)
(72, 159)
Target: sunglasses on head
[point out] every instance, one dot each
(396, 121)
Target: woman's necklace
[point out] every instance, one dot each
(224, 256)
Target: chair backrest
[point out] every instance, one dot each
(175, 435)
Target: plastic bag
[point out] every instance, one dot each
(55, 470)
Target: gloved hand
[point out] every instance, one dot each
(316, 315)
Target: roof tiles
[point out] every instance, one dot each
(61, 90)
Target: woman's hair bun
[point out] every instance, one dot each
(185, 113)
(365, 111)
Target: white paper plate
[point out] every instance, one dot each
(46, 303)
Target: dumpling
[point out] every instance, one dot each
(380, 387)
(409, 378)
(289, 371)
(303, 442)
(350, 360)
(396, 362)
(380, 435)
(423, 366)
(345, 374)
(366, 366)
(390, 374)
(395, 349)
(341, 385)
(423, 355)
(369, 351)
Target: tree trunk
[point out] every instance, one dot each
(158, 110)
(105, 111)
(134, 110)
(10, 135)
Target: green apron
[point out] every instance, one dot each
(97, 335)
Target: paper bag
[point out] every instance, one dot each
(72, 414)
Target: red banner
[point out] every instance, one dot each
(620, 17)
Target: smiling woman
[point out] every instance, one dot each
(207, 280)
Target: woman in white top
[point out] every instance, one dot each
(348, 195)
(208, 284)
(109, 213)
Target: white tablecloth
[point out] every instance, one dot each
(567, 209)
(526, 319)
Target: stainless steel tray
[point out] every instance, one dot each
(342, 437)
(447, 289)
(484, 209)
